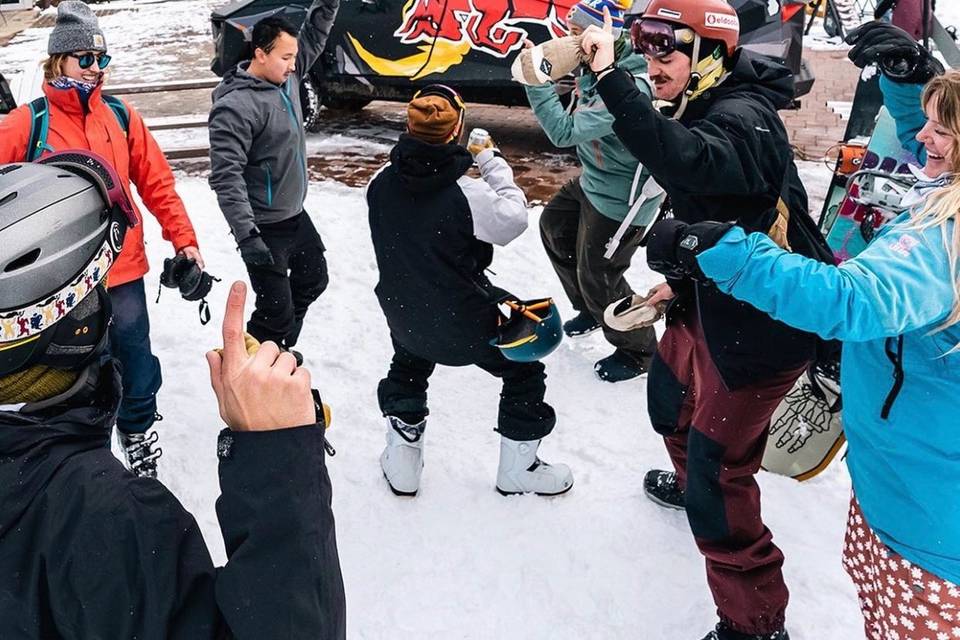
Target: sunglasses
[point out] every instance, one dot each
(86, 60)
(658, 39)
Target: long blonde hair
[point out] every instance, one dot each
(944, 204)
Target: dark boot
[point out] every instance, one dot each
(619, 366)
(723, 632)
(580, 325)
(662, 487)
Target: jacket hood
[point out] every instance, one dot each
(238, 78)
(762, 74)
(36, 438)
(428, 167)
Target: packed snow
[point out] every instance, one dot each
(459, 560)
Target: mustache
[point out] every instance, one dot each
(660, 78)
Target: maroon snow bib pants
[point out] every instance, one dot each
(716, 439)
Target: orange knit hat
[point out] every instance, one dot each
(434, 116)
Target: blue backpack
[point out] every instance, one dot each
(40, 123)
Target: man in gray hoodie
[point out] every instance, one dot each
(258, 170)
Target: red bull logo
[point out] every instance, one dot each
(487, 25)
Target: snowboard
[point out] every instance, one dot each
(850, 224)
(806, 430)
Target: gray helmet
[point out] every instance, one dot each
(62, 226)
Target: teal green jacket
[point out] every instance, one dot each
(609, 169)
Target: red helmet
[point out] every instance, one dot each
(712, 19)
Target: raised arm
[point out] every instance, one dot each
(720, 154)
(314, 33)
(497, 204)
(900, 283)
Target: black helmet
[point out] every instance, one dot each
(62, 224)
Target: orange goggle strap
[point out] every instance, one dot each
(527, 310)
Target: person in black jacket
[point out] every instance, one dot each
(433, 231)
(715, 143)
(89, 550)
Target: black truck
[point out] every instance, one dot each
(386, 49)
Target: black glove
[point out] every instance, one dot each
(255, 252)
(896, 53)
(672, 246)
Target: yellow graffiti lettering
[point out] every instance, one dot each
(445, 54)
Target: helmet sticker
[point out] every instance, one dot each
(669, 13)
(722, 21)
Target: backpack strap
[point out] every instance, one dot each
(119, 110)
(39, 127)
(40, 123)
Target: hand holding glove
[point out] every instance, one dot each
(898, 56)
(673, 246)
(255, 252)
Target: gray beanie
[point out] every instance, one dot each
(76, 30)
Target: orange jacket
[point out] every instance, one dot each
(135, 156)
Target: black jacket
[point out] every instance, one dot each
(728, 158)
(432, 229)
(90, 552)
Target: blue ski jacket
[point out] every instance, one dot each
(885, 305)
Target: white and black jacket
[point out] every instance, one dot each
(433, 230)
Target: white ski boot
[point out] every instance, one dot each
(402, 459)
(521, 471)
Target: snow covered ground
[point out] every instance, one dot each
(460, 561)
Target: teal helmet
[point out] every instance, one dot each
(532, 330)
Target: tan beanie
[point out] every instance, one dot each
(432, 118)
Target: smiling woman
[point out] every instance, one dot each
(73, 113)
(896, 307)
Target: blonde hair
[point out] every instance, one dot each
(53, 66)
(943, 205)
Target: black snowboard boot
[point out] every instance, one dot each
(723, 632)
(662, 487)
(580, 325)
(619, 366)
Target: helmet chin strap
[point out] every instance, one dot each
(702, 77)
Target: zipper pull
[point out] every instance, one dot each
(328, 447)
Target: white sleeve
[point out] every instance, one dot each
(497, 204)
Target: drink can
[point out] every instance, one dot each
(478, 137)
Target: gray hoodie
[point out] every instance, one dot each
(258, 165)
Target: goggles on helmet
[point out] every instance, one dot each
(901, 65)
(27, 322)
(443, 91)
(659, 39)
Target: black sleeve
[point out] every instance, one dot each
(282, 577)
(718, 155)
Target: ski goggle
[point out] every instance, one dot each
(445, 92)
(86, 60)
(901, 64)
(659, 39)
